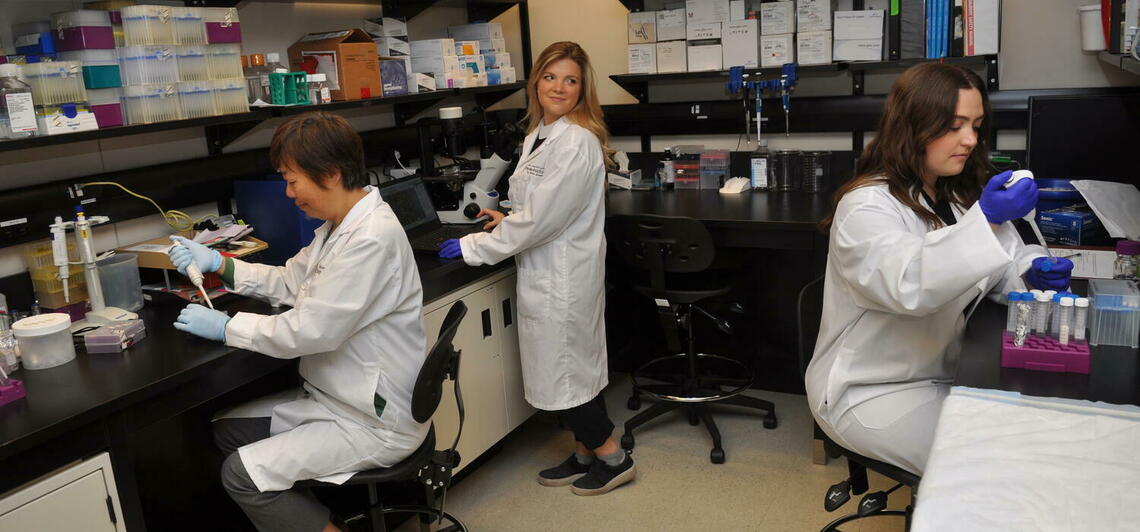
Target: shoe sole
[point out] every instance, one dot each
(623, 478)
(559, 482)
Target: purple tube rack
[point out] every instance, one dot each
(12, 391)
(1045, 354)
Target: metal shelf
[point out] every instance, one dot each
(1124, 62)
(256, 115)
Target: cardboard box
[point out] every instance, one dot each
(704, 31)
(492, 45)
(642, 58)
(386, 27)
(858, 50)
(741, 44)
(467, 47)
(859, 24)
(671, 57)
(642, 27)
(813, 15)
(432, 47)
(813, 48)
(435, 63)
(775, 50)
(476, 32)
(152, 253)
(704, 57)
(474, 64)
(347, 57)
(508, 75)
(497, 59)
(736, 10)
(392, 47)
(1073, 226)
(777, 18)
(697, 11)
(424, 82)
(393, 76)
(670, 25)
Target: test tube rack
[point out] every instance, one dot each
(1044, 353)
(290, 88)
(12, 391)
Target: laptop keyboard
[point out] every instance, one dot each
(431, 240)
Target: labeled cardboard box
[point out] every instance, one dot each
(776, 50)
(670, 25)
(740, 40)
(671, 57)
(704, 57)
(642, 27)
(642, 58)
(777, 18)
(152, 253)
(347, 57)
(813, 48)
(394, 76)
(813, 15)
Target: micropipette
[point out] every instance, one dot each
(195, 276)
(59, 254)
(1018, 175)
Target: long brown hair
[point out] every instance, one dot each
(588, 112)
(919, 109)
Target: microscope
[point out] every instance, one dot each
(460, 190)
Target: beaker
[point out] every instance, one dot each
(815, 166)
(785, 170)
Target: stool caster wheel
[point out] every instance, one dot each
(627, 442)
(717, 455)
(634, 402)
(693, 419)
(770, 421)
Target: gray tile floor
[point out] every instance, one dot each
(767, 483)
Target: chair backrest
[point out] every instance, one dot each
(662, 244)
(809, 309)
(441, 363)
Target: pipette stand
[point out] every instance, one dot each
(100, 314)
(782, 86)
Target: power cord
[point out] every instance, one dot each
(396, 153)
(179, 220)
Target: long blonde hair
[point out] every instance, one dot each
(588, 112)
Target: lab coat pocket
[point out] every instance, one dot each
(536, 293)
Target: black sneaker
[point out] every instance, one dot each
(603, 478)
(565, 473)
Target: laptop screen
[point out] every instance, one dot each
(409, 200)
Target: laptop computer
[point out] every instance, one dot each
(410, 201)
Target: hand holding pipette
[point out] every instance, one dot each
(192, 259)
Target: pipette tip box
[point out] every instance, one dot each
(1045, 354)
(12, 391)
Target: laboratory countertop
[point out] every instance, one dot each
(1114, 373)
(93, 386)
(796, 211)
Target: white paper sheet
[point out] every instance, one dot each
(1116, 204)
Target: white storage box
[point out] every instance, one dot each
(476, 32)
(386, 27)
(703, 31)
(432, 47)
(741, 44)
(775, 50)
(859, 24)
(670, 25)
(643, 27)
(813, 48)
(392, 47)
(706, 11)
(736, 10)
(437, 63)
(475, 64)
(704, 57)
(777, 18)
(671, 57)
(642, 58)
(813, 15)
(466, 47)
(858, 50)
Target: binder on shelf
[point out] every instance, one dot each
(894, 30)
(982, 19)
(957, 30)
(912, 29)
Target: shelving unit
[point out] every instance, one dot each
(1124, 62)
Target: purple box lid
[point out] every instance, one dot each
(85, 38)
(219, 32)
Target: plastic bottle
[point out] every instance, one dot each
(1065, 320)
(1127, 259)
(1041, 318)
(319, 89)
(668, 169)
(1080, 318)
(17, 112)
(1011, 300)
(253, 78)
(759, 164)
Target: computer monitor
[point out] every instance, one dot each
(410, 201)
(1094, 136)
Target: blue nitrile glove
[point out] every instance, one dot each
(1005, 204)
(207, 259)
(1046, 275)
(207, 323)
(450, 249)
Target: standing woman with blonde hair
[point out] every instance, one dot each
(556, 229)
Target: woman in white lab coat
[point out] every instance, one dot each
(556, 232)
(355, 323)
(917, 239)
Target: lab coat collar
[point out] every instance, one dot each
(556, 129)
(355, 214)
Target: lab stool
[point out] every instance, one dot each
(429, 468)
(677, 253)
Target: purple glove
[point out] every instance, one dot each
(1005, 204)
(450, 249)
(1046, 275)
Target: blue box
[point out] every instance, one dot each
(393, 77)
(1071, 226)
(275, 218)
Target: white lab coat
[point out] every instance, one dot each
(894, 297)
(357, 326)
(556, 230)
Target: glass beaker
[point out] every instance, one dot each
(815, 166)
(785, 170)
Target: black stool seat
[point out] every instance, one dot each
(407, 469)
(690, 288)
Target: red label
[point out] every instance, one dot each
(365, 92)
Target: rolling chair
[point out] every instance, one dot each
(676, 253)
(809, 307)
(426, 466)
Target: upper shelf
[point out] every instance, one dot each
(1124, 62)
(485, 96)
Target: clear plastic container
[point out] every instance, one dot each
(189, 27)
(17, 109)
(714, 168)
(45, 340)
(196, 99)
(1115, 312)
(100, 67)
(148, 25)
(319, 89)
(192, 63)
(149, 64)
(785, 168)
(83, 29)
(224, 61)
(145, 104)
(222, 25)
(253, 76)
(55, 83)
(115, 337)
(119, 275)
(9, 351)
(230, 96)
(815, 166)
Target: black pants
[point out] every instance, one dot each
(589, 422)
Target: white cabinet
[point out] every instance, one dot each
(490, 374)
(80, 497)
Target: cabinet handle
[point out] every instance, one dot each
(508, 318)
(486, 315)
